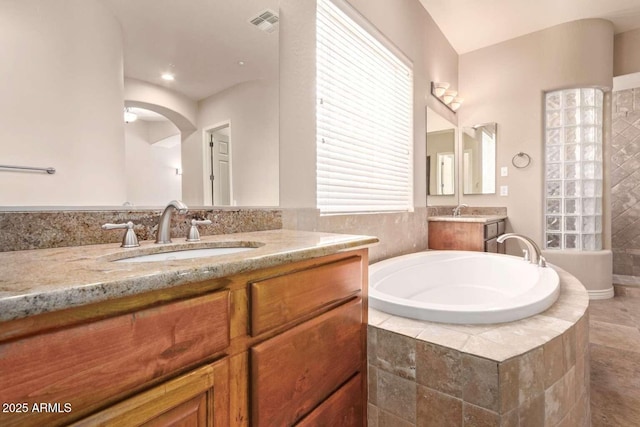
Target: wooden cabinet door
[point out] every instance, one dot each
(295, 371)
(197, 399)
(342, 409)
(92, 365)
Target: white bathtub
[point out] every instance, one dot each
(461, 287)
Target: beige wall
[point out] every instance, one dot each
(61, 103)
(252, 110)
(505, 83)
(626, 58)
(151, 169)
(407, 25)
(182, 111)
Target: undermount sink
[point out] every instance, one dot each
(179, 254)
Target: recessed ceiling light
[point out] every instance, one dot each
(168, 77)
(241, 63)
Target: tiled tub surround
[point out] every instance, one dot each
(41, 229)
(45, 280)
(532, 372)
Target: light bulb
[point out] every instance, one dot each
(440, 88)
(456, 103)
(448, 96)
(129, 116)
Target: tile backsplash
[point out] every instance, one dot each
(60, 228)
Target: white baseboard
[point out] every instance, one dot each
(620, 279)
(601, 293)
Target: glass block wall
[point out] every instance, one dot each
(573, 169)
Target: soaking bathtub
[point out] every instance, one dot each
(461, 287)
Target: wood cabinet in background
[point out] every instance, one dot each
(466, 236)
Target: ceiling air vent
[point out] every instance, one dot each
(266, 21)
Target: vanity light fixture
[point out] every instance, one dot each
(438, 89)
(448, 97)
(456, 103)
(129, 116)
(168, 77)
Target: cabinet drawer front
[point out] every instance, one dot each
(490, 230)
(501, 226)
(185, 400)
(295, 371)
(92, 364)
(279, 300)
(342, 409)
(491, 245)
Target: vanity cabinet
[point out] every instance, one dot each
(466, 235)
(62, 375)
(276, 346)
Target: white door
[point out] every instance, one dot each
(445, 174)
(219, 162)
(222, 187)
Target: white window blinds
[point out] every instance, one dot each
(364, 119)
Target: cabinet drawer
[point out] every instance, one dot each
(93, 364)
(342, 409)
(491, 245)
(501, 226)
(295, 371)
(279, 300)
(187, 400)
(490, 230)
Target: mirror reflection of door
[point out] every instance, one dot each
(218, 141)
(441, 158)
(445, 174)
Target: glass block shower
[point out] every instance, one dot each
(573, 169)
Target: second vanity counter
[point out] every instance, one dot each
(44, 280)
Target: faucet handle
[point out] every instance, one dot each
(194, 234)
(525, 255)
(129, 240)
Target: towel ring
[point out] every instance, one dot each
(521, 160)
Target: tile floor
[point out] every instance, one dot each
(615, 359)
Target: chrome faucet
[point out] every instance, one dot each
(456, 211)
(532, 253)
(164, 225)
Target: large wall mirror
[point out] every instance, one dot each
(441, 158)
(479, 158)
(71, 67)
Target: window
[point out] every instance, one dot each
(364, 119)
(573, 169)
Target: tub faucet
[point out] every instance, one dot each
(456, 211)
(164, 225)
(533, 251)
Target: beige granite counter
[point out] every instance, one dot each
(44, 280)
(483, 219)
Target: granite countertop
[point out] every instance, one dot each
(484, 219)
(44, 280)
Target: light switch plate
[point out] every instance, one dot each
(504, 190)
(504, 171)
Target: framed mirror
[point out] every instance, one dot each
(441, 156)
(194, 72)
(479, 158)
